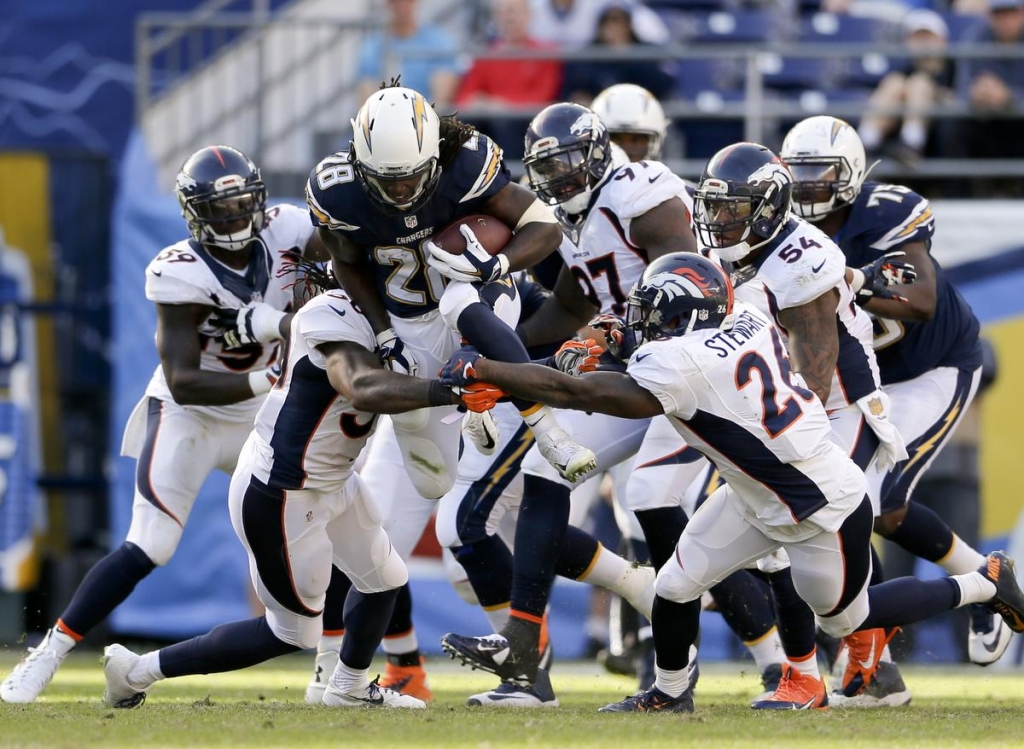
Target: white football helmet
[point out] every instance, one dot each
(626, 108)
(395, 148)
(827, 160)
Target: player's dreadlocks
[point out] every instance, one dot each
(311, 278)
(454, 132)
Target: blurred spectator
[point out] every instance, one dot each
(920, 85)
(425, 56)
(573, 23)
(507, 85)
(584, 79)
(994, 87)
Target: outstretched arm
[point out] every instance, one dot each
(361, 378)
(605, 392)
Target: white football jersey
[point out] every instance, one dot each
(732, 396)
(798, 266)
(307, 435)
(185, 273)
(604, 260)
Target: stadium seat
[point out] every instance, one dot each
(795, 73)
(747, 27)
(695, 77)
(859, 71)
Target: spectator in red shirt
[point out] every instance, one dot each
(493, 90)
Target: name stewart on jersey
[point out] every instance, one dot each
(393, 242)
(743, 329)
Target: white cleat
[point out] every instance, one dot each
(325, 665)
(482, 431)
(372, 695)
(571, 460)
(989, 636)
(30, 677)
(118, 662)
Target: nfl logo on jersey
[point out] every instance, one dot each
(411, 222)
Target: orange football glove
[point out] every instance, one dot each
(576, 357)
(480, 396)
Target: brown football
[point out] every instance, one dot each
(492, 233)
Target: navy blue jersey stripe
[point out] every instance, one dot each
(144, 466)
(853, 365)
(481, 496)
(683, 456)
(257, 276)
(795, 490)
(310, 395)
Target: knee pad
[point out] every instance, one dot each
(301, 631)
(456, 297)
(848, 620)
(674, 584)
(156, 533)
(389, 572)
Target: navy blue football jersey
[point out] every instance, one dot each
(408, 286)
(882, 219)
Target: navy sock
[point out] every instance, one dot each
(877, 571)
(488, 565)
(906, 600)
(923, 533)
(578, 551)
(107, 584)
(401, 617)
(366, 618)
(795, 618)
(494, 339)
(543, 518)
(334, 606)
(229, 647)
(662, 528)
(640, 550)
(743, 602)
(675, 628)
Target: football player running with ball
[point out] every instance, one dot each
(221, 313)
(720, 371)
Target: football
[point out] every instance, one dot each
(492, 233)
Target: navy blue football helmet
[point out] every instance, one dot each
(567, 155)
(222, 197)
(742, 201)
(679, 293)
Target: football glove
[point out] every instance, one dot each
(262, 380)
(576, 357)
(258, 322)
(459, 371)
(480, 397)
(481, 429)
(475, 265)
(394, 353)
(873, 281)
(621, 340)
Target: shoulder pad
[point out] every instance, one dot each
(333, 194)
(894, 215)
(178, 276)
(804, 266)
(634, 189)
(330, 317)
(481, 166)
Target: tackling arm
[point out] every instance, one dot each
(355, 274)
(663, 229)
(178, 346)
(920, 295)
(560, 316)
(610, 393)
(531, 242)
(359, 376)
(814, 341)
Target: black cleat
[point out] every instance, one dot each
(652, 700)
(491, 653)
(1008, 601)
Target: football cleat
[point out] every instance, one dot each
(1008, 601)
(482, 431)
(326, 662)
(491, 653)
(863, 651)
(796, 691)
(770, 678)
(988, 637)
(518, 694)
(410, 680)
(571, 460)
(652, 700)
(30, 677)
(886, 689)
(118, 662)
(372, 695)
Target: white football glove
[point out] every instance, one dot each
(257, 322)
(475, 265)
(482, 431)
(891, 449)
(394, 353)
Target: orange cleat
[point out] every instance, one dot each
(796, 691)
(410, 680)
(864, 649)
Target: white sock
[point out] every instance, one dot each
(146, 672)
(350, 679)
(620, 576)
(974, 588)
(401, 644)
(808, 666)
(914, 135)
(497, 616)
(961, 558)
(60, 642)
(672, 683)
(540, 419)
(766, 649)
(330, 643)
(886, 655)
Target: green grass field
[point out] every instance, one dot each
(263, 707)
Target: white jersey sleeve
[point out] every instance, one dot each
(291, 226)
(638, 187)
(805, 266)
(663, 370)
(179, 276)
(329, 318)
